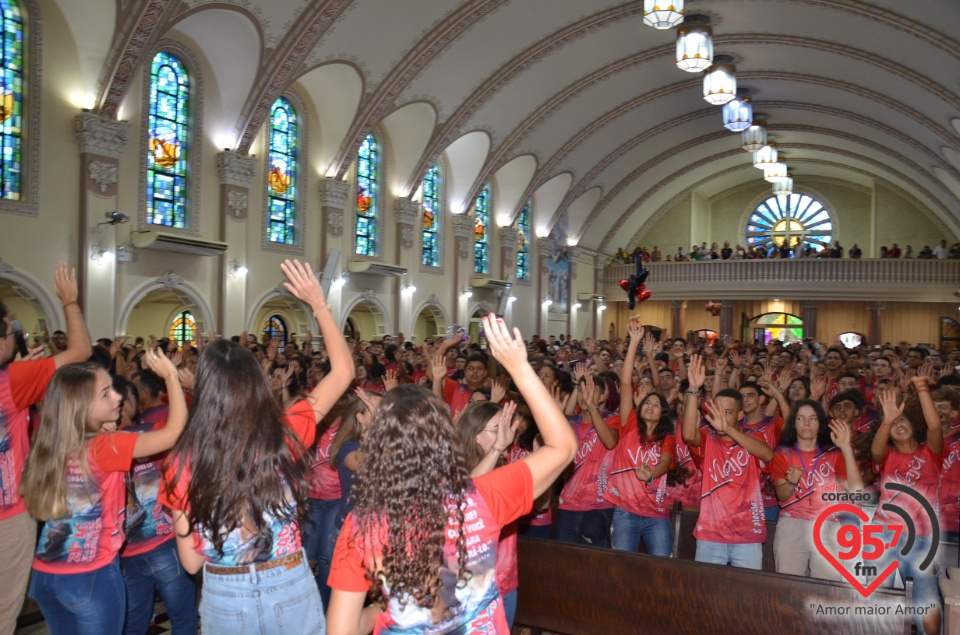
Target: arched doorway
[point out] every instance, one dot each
(430, 322)
(474, 328)
(167, 313)
(767, 327)
(368, 317)
(23, 306)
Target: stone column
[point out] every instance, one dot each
(236, 174)
(678, 318)
(101, 142)
(544, 246)
(334, 195)
(808, 313)
(599, 270)
(462, 261)
(726, 319)
(508, 252)
(406, 213)
(876, 322)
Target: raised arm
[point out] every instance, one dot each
(506, 432)
(559, 444)
(696, 373)
(891, 412)
(157, 441)
(78, 340)
(724, 424)
(930, 416)
(840, 435)
(589, 396)
(305, 286)
(635, 331)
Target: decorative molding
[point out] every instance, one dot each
(236, 169)
(544, 245)
(406, 212)
(508, 238)
(101, 136)
(238, 203)
(169, 280)
(406, 236)
(433, 300)
(463, 225)
(334, 193)
(103, 174)
(335, 221)
(368, 294)
(6, 267)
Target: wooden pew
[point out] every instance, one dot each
(578, 590)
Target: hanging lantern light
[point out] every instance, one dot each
(662, 14)
(720, 81)
(694, 44)
(754, 138)
(738, 112)
(765, 156)
(776, 172)
(784, 187)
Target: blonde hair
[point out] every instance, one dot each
(64, 428)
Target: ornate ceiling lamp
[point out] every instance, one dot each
(765, 156)
(755, 137)
(776, 172)
(720, 81)
(738, 112)
(784, 187)
(662, 14)
(694, 44)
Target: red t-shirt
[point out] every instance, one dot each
(770, 428)
(950, 483)
(324, 479)
(534, 518)
(148, 523)
(91, 536)
(498, 498)
(242, 547)
(586, 486)
(628, 492)
(921, 471)
(807, 501)
(456, 395)
(687, 493)
(22, 384)
(731, 506)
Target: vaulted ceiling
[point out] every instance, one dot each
(575, 103)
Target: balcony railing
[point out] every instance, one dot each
(840, 279)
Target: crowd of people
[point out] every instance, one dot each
(349, 486)
(793, 249)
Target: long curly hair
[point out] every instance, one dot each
(243, 460)
(413, 480)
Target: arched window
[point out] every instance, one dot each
(12, 106)
(791, 220)
(523, 243)
(183, 329)
(169, 136)
(368, 166)
(282, 174)
(275, 327)
(481, 246)
(431, 217)
(777, 326)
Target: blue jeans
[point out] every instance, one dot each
(319, 539)
(771, 514)
(584, 528)
(277, 600)
(536, 531)
(159, 568)
(510, 606)
(89, 603)
(628, 528)
(746, 556)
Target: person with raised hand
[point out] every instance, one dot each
(417, 509)
(731, 527)
(236, 482)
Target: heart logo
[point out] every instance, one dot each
(824, 515)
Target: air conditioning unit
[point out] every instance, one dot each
(489, 283)
(375, 268)
(176, 243)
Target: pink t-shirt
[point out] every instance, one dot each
(921, 471)
(586, 486)
(628, 492)
(456, 395)
(534, 518)
(950, 483)
(498, 498)
(770, 428)
(731, 507)
(91, 536)
(687, 493)
(22, 384)
(827, 468)
(324, 479)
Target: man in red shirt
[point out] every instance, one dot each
(22, 384)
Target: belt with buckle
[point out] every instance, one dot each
(289, 562)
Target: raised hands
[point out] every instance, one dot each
(158, 362)
(498, 390)
(65, 284)
(635, 331)
(696, 372)
(303, 284)
(589, 395)
(560, 397)
(643, 390)
(507, 348)
(888, 404)
(840, 434)
(715, 416)
(390, 380)
(507, 426)
(579, 370)
(818, 386)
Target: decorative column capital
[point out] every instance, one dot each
(810, 304)
(100, 135)
(678, 304)
(235, 169)
(334, 192)
(463, 225)
(407, 212)
(508, 238)
(876, 306)
(544, 245)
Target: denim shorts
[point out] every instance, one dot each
(277, 600)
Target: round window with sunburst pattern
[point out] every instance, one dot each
(796, 219)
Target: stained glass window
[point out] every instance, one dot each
(275, 327)
(779, 326)
(481, 231)
(523, 243)
(183, 329)
(368, 165)
(431, 217)
(11, 108)
(168, 123)
(791, 220)
(282, 177)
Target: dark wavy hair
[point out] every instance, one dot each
(665, 425)
(241, 456)
(788, 438)
(413, 480)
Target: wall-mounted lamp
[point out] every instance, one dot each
(547, 302)
(237, 269)
(339, 281)
(512, 299)
(576, 306)
(409, 288)
(100, 253)
(602, 307)
(466, 293)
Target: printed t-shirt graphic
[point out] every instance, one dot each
(324, 480)
(497, 498)
(770, 428)
(148, 523)
(818, 469)
(628, 492)
(688, 493)
(921, 471)
(456, 395)
(950, 483)
(586, 487)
